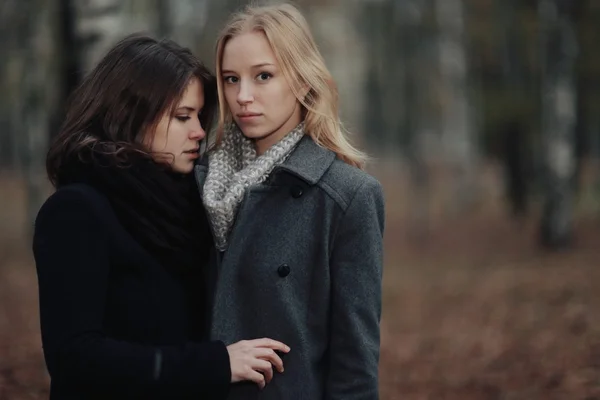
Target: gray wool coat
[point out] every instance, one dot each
(304, 266)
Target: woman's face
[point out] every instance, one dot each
(176, 140)
(256, 91)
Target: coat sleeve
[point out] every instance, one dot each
(71, 252)
(356, 274)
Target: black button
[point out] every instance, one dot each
(296, 191)
(283, 270)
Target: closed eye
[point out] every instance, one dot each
(182, 118)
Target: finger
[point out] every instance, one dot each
(268, 373)
(264, 367)
(272, 344)
(257, 377)
(271, 356)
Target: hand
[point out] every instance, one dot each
(251, 360)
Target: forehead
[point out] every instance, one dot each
(193, 96)
(247, 50)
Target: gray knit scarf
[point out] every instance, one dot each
(232, 168)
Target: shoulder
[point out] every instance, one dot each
(346, 183)
(78, 200)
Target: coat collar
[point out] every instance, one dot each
(308, 161)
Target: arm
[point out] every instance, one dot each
(72, 261)
(356, 272)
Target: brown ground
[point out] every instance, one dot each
(475, 311)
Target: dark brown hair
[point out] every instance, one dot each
(123, 97)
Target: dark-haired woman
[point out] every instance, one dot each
(120, 247)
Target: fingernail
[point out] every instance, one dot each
(287, 348)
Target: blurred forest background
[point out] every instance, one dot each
(483, 121)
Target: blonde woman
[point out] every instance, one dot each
(297, 224)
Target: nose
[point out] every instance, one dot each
(245, 94)
(197, 132)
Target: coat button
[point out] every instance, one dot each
(296, 191)
(283, 270)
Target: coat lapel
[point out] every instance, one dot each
(308, 161)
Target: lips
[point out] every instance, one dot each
(248, 115)
(249, 118)
(192, 153)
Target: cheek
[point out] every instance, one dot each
(230, 96)
(159, 141)
(284, 100)
(285, 96)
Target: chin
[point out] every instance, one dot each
(183, 169)
(254, 132)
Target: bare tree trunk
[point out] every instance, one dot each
(559, 53)
(219, 11)
(339, 41)
(29, 82)
(15, 28)
(372, 13)
(99, 24)
(516, 151)
(457, 127)
(186, 20)
(39, 88)
(583, 89)
(8, 9)
(414, 48)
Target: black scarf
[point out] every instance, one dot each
(162, 210)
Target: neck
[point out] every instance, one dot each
(263, 144)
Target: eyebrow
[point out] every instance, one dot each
(266, 64)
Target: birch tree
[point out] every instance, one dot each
(558, 46)
(34, 69)
(183, 21)
(457, 113)
(99, 24)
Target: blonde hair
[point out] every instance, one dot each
(302, 65)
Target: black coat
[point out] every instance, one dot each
(115, 323)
